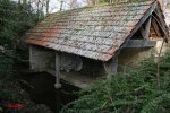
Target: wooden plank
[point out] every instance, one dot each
(139, 43)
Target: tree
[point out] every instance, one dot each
(91, 2)
(47, 6)
(19, 2)
(40, 7)
(73, 4)
(15, 20)
(110, 2)
(24, 2)
(61, 4)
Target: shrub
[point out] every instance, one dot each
(136, 91)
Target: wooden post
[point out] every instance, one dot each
(111, 67)
(57, 85)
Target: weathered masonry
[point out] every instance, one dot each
(82, 45)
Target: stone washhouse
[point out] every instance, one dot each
(82, 45)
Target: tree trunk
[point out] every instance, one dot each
(73, 4)
(47, 6)
(91, 2)
(41, 8)
(19, 2)
(24, 2)
(61, 5)
(87, 1)
(29, 5)
(38, 7)
(110, 2)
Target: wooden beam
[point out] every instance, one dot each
(139, 24)
(57, 85)
(156, 28)
(139, 43)
(145, 29)
(160, 19)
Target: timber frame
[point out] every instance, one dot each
(152, 18)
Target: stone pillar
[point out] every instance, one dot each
(111, 67)
(30, 57)
(57, 85)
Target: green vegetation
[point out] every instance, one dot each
(10, 91)
(135, 91)
(15, 20)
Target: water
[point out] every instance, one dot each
(40, 87)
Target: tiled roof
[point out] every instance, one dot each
(93, 32)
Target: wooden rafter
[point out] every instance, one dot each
(139, 43)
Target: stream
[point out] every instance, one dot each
(41, 90)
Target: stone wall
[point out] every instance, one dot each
(133, 56)
(41, 59)
(70, 62)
